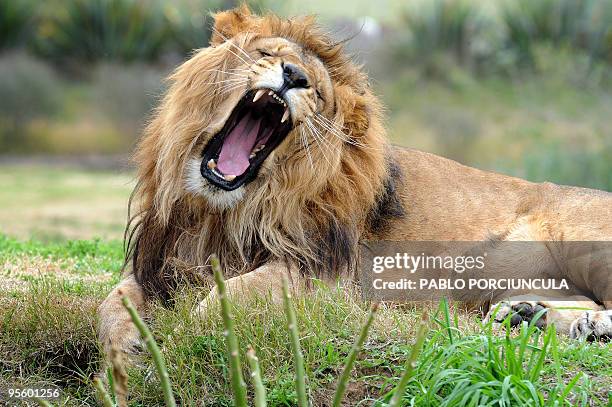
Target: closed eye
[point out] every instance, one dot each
(264, 53)
(320, 96)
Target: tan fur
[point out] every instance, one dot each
(303, 202)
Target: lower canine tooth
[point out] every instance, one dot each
(229, 177)
(285, 116)
(211, 164)
(259, 94)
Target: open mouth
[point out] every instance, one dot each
(256, 126)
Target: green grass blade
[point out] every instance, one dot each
(568, 388)
(298, 357)
(42, 402)
(447, 319)
(158, 359)
(410, 364)
(111, 382)
(260, 390)
(238, 384)
(537, 368)
(103, 394)
(350, 359)
(523, 342)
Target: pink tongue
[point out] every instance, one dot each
(234, 156)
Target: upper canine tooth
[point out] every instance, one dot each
(211, 164)
(285, 115)
(259, 94)
(229, 177)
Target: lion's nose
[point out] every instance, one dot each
(294, 77)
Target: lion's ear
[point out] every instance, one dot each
(229, 23)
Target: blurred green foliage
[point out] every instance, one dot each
(93, 30)
(477, 33)
(29, 89)
(189, 24)
(585, 25)
(89, 30)
(15, 20)
(502, 34)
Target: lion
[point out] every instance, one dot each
(269, 149)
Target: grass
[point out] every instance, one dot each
(48, 336)
(48, 203)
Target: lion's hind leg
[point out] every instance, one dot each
(565, 314)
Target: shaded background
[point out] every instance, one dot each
(521, 87)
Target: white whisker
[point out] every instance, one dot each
(225, 72)
(306, 146)
(323, 138)
(222, 91)
(230, 80)
(336, 131)
(230, 87)
(318, 138)
(235, 45)
(330, 128)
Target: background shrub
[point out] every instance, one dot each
(15, 22)
(126, 94)
(29, 89)
(91, 30)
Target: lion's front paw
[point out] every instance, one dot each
(518, 311)
(122, 343)
(202, 308)
(127, 341)
(120, 335)
(592, 326)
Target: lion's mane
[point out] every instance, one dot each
(310, 215)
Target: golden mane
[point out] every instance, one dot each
(308, 214)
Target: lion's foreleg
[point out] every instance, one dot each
(115, 327)
(265, 281)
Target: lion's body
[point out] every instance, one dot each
(311, 202)
(445, 200)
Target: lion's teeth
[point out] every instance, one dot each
(211, 163)
(229, 177)
(285, 115)
(270, 93)
(253, 154)
(259, 94)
